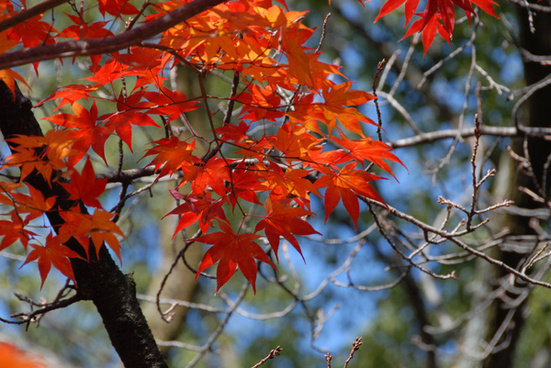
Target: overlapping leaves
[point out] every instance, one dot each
(437, 17)
(287, 138)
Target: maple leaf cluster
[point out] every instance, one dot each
(292, 129)
(437, 17)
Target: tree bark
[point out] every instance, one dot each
(101, 46)
(99, 280)
(502, 318)
(535, 113)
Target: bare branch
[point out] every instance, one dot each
(355, 347)
(273, 353)
(29, 13)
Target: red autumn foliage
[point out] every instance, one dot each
(290, 131)
(438, 16)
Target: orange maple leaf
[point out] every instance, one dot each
(291, 183)
(296, 144)
(34, 204)
(366, 149)
(309, 114)
(283, 220)
(304, 68)
(346, 185)
(172, 155)
(8, 76)
(98, 227)
(260, 103)
(44, 154)
(341, 95)
(53, 253)
(12, 357)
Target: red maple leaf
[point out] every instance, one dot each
(105, 74)
(486, 5)
(70, 94)
(205, 209)
(85, 187)
(429, 29)
(81, 29)
(116, 7)
(214, 174)
(169, 103)
(232, 250)
(234, 133)
(391, 5)
(33, 32)
(438, 16)
(244, 185)
(86, 132)
(146, 63)
(14, 230)
(128, 114)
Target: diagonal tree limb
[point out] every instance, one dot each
(98, 46)
(30, 13)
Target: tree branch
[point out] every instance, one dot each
(97, 46)
(29, 13)
(485, 130)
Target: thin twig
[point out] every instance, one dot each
(24, 15)
(380, 66)
(355, 347)
(273, 353)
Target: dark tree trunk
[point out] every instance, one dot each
(99, 280)
(536, 112)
